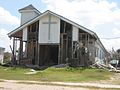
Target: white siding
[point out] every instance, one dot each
(55, 30)
(1, 54)
(44, 30)
(100, 53)
(26, 16)
(75, 33)
(25, 34)
(1, 58)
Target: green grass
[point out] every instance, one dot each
(55, 74)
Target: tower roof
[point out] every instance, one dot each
(29, 7)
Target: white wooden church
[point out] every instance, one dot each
(50, 39)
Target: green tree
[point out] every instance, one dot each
(7, 57)
(118, 51)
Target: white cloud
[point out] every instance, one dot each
(116, 31)
(111, 43)
(91, 14)
(7, 18)
(4, 39)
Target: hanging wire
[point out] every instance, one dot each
(111, 38)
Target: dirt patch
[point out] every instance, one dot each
(1, 87)
(116, 76)
(16, 86)
(115, 79)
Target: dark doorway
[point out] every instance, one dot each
(48, 55)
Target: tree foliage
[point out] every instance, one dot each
(118, 51)
(7, 57)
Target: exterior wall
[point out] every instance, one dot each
(49, 29)
(25, 32)
(100, 53)
(1, 54)
(75, 33)
(91, 49)
(27, 15)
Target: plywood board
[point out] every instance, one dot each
(25, 32)
(75, 33)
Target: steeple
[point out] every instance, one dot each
(27, 13)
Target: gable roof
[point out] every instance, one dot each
(62, 18)
(28, 7)
(59, 16)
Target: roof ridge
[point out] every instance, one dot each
(29, 7)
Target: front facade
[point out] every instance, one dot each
(50, 39)
(1, 54)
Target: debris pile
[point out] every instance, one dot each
(103, 66)
(32, 71)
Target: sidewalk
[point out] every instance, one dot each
(98, 85)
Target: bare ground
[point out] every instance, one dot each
(115, 80)
(18, 86)
(15, 85)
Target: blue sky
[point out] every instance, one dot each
(14, 5)
(101, 16)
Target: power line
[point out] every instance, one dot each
(111, 38)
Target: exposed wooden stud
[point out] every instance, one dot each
(14, 57)
(38, 54)
(21, 50)
(64, 27)
(59, 54)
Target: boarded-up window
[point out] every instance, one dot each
(75, 33)
(24, 34)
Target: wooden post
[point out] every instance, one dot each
(64, 27)
(88, 38)
(38, 55)
(16, 53)
(59, 58)
(61, 48)
(13, 59)
(21, 50)
(36, 44)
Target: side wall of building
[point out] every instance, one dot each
(1, 55)
(100, 53)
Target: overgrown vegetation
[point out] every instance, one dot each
(55, 74)
(7, 57)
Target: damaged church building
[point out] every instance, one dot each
(47, 39)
